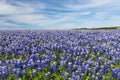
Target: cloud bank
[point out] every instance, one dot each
(58, 14)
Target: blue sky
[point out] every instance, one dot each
(58, 14)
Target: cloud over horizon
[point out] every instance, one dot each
(58, 14)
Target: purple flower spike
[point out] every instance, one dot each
(34, 73)
(70, 68)
(47, 75)
(54, 67)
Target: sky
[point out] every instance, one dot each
(58, 14)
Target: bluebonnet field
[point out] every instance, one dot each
(60, 55)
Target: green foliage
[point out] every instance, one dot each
(39, 76)
(23, 58)
(57, 76)
(9, 57)
(63, 69)
(108, 75)
(2, 56)
(53, 76)
(12, 77)
(117, 65)
(41, 54)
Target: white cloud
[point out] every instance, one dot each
(44, 20)
(7, 25)
(20, 8)
(24, 13)
(92, 4)
(6, 8)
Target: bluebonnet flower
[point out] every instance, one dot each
(28, 65)
(3, 75)
(70, 68)
(81, 76)
(43, 65)
(103, 77)
(9, 70)
(79, 69)
(62, 57)
(54, 67)
(39, 69)
(74, 77)
(62, 63)
(69, 58)
(17, 72)
(32, 64)
(47, 75)
(23, 72)
(115, 72)
(75, 65)
(118, 75)
(96, 78)
(24, 67)
(69, 78)
(53, 57)
(65, 74)
(34, 73)
(93, 77)
(47, 61)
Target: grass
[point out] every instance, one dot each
(117, 65)
(108, 75)
(23, 58)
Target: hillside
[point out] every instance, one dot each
(100, 28)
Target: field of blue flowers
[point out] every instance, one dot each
(60, 55)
